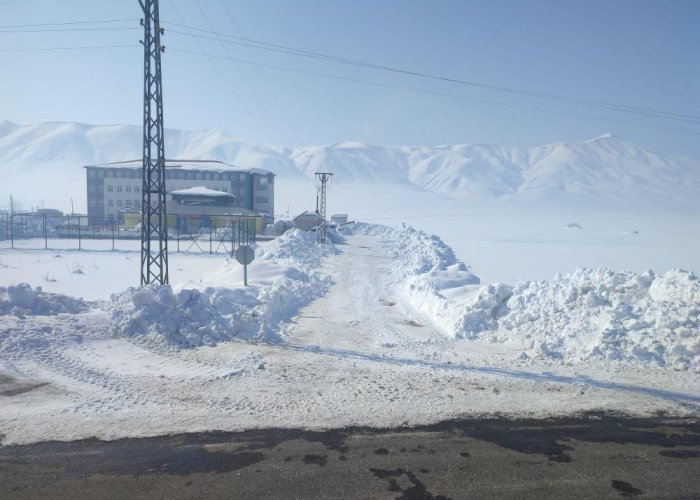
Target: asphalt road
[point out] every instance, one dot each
(594, 457)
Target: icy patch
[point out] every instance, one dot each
(23, 300)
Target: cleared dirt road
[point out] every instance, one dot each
(596, 457)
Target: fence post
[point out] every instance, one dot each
(46, 239)
(211, 235)
(12, 231)
(177, 223)
(112, 234)
(80, 242)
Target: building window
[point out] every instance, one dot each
(110, 203)
(119, 203)
(241, 177)
(128, 203)
(100, 188)
(262, 181)
(119, 189)
(137, 189)
(225, 190)
(91, 173)
(110, 188)
(92, 203)
(128, 189)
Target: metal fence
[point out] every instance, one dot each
(186, 233)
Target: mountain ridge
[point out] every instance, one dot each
(604, 167)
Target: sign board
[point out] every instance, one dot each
(244, 255)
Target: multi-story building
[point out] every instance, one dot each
(115, 186)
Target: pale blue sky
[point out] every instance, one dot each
(631, 52)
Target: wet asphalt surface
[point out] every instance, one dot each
(597, 456)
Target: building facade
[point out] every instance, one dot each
(115, 186)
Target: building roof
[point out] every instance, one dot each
(203, 165)
(201, 191)
(307, 215)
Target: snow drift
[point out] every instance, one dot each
(195, 314)
(23, 300)
(588, 313)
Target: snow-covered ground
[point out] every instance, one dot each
(387, 328)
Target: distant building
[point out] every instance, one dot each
(113, 186)
(338, 219)
(200, 200)
(50, 212)
(307, 221)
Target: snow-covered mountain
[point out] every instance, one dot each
(44, 162)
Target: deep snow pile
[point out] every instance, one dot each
(206, 315)
(587, 313)
(601, 313)
(23, 300)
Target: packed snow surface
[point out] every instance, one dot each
(386, 327)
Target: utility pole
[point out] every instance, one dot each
(154, 227)
(324, 177)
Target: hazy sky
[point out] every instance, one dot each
(630, 52)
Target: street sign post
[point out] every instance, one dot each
(245, 255)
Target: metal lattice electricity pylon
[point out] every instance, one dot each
(154, 228)
(324, 177)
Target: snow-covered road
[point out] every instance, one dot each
(358, 355)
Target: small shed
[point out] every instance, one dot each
(338, 219)
(306, 221)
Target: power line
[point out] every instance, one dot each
(78, 47)
(258, 44)
(242, 74)
(69, 23)
(221, 75)
(441, 94)
(63, 30)
(317, 55)
(264, 79)
(356, 80)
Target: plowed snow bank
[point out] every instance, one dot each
(587, 313)
(197, 314)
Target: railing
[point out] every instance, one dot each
(203, 233)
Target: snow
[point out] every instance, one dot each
(573, 317)
(20, 300)
(605, 168)
(386, 327)
(202, 191)
(346, 334)
(199, 314)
